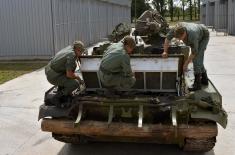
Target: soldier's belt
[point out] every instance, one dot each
(49, 67)
(108, 72)
(206, 33)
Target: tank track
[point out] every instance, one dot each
(193, 145)
(199, 145)
(72, 139)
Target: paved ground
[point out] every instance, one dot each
(20, 98)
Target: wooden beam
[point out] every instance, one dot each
(128, 130)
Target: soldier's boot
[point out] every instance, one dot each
(57, 99)
(204, 79)
(197, 83)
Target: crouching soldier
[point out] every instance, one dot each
(115, 70)
(197, 37)
(60, 71)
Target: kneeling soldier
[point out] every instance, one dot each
(115, 70)
(60, 71)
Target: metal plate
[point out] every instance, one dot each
(153, 80)
(91, 79)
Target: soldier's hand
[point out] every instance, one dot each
(164, 54)
(185, 67)
(82, 82)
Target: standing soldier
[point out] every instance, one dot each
(60, 71)
(115, 70)
(197, 37)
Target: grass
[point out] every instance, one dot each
(11, 70)
(175, 20)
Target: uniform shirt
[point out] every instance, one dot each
(64, 60)
(195, 33)
(116, 60)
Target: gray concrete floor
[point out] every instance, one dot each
(20, 98)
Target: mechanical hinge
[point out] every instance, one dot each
(79, 117)
(174, 120)
(140, 121)
(110, 114)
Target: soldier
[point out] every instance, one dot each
(115, 70)
(60, 70)
(197, 37)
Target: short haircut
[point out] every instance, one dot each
(79, 44)
(179, 31)
(129, 41)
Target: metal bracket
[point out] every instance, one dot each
(174, 120)
(140, 121)
(126, 113)
(79, 117)
(110, 114)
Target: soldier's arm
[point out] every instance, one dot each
(127, 66)
(70, 74)
(70, 67)
(194, 51)
(166, 45)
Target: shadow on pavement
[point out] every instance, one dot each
(124, 149)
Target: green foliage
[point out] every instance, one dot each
(141, 6)
(160, 5)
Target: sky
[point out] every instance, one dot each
(176, 2)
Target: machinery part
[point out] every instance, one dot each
(72, 139)
(79, 115)
(120, 31)
(110, 114)
(199, 145)
(140, 121)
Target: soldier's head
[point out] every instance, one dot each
(180, 32)
(129, 44)
(79, 48)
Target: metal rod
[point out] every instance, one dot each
(79, 115)
(140, 121)
(110, 114)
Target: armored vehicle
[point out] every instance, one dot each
(158, 109)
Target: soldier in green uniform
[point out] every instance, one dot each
(115, 70)
(197, 37)
(60, 70)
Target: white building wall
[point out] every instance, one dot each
(231, 17)
(222, 14)
(39, 28)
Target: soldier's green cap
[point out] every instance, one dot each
(80, 45)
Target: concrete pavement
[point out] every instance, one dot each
(20, 98)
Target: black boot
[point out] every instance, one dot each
(204, 79)
(57, 99)
(197, 83)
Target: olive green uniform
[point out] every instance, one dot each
(115, 69)
(56, 70)
(197, 39)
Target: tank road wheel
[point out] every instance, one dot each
(199, 145)
(72, 139)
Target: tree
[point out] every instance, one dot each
(190, 9)
(195, 9)
(141, 6)
(160, 5)
(171, 9)
(183, 8)
(199, 5)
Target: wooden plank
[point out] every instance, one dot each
(128, 130)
